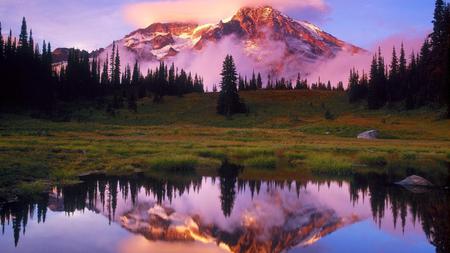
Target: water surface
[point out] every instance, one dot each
(227, 214)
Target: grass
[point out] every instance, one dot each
(329, 164)
(217, 154)
(295, 156)
(373, 160)
(284, 131)
(174, 163)
(263, 162)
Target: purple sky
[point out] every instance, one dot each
(92, 24)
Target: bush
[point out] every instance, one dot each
(329, 116)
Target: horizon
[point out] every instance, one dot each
(373, 23)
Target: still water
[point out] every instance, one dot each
(226, 214)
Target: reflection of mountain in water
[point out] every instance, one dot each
(301, 225)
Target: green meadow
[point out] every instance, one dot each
(285, 134)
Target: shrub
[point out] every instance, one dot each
(328, 115)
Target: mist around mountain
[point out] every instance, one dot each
(261, 39)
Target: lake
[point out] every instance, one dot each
(224, 213)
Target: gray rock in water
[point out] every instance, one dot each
(368, 135)
(415, 181)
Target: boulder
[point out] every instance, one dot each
(415, 181)
(369, 135)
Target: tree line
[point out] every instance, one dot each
(30, 80)
(421, 80)
(256, 83)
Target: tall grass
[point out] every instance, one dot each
(174, 163)
(372, 160)
(329, 164)
(248, 152)
(211, 153)
(263, 162)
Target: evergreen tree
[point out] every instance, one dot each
(136, 74)
(116, 80)
(112, 62)
(229, 102)
(23, 37)
(393, 83)
(104, 80)
(253, 82)
(241, 83)
(2, 45)
(259, 81)
(353, 87)
(439, 23)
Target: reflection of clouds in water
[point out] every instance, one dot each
(273, 208)
(138, 244)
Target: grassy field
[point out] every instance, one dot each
(285, 133)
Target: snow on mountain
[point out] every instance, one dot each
(261, 39)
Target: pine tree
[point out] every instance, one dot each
(439, 28)
(2, 47)
(104, 80)
(372, 98)
(229, 102)
(49, 57)
(392, 85)
(112, 62)
(241, 83)
(259, 81)
(136, 74)
(171, 81)
(23, 37)
(31, 43)
(116, 80)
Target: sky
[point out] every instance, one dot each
(89, 24)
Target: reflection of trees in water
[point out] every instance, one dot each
(18, 214)
(430, 210)
(228, 177)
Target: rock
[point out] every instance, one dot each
(415, 181)
(369, 135)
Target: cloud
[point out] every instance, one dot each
(145, 13)
(338, 68)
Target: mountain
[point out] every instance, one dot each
(262, 37)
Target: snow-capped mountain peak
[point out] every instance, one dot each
(258, 31)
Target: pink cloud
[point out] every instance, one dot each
(338, 68)
(143, 14)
